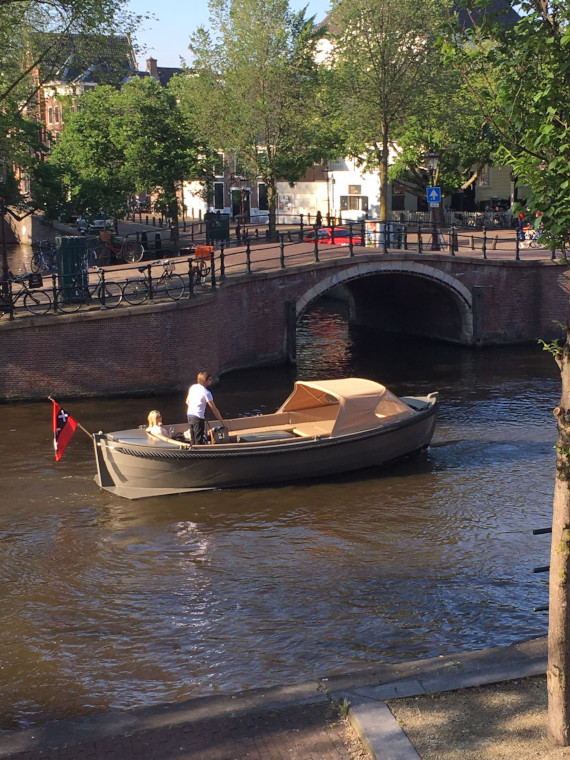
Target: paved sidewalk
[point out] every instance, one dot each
(292, 723)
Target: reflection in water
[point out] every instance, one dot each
(110, 603)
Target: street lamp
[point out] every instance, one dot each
(5, 269)
(432, 161)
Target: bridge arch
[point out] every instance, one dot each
(402, 296)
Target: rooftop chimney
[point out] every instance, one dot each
(151, 67)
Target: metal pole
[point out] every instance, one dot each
(213, 270)
(222, 264)
(191, 275)
(5, 269)
(282, 250)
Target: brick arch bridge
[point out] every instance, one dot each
(249, 320)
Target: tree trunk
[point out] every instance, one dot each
(558, 673)
(272, 203)
(172, 213)
(383, 171)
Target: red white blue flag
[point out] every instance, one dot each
(63, 429)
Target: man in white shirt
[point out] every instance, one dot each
(198, 397)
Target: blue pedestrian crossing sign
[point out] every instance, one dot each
(434, 194)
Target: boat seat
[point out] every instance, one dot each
(271, 435)
(311, 429)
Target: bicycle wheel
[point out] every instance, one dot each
(70, 300)
(132, 252)
(109, 295)
(135, 292)
(37, 302)
(36, 262)
(175, 287)
(204, 268)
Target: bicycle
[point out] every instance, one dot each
(203, 255)
(138, 291)
(106, 253)
(531, 238)
(44, 259)
(73, 296)
(35, 301)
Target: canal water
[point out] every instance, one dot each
(108, 603)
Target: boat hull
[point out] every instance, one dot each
(133, 470)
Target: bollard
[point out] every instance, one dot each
(153, 221)
(362, 233)
(495, 241)
(484, 242)
(350, 241)
(317, 246)
(517, 249)
(144, 240)
(472, 243)
(282, 250)
(301, 229)
(247, 257)
(157, 242)
(419, 237)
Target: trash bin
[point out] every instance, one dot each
(73, 272)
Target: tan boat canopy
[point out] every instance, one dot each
(354, 403)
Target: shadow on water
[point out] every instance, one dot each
(109, 603)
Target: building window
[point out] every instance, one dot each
(354, 189)
(56, 114)
(354, 203)
(50, 115)
(218, 195)
(262, 202)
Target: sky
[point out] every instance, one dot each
(166, 37)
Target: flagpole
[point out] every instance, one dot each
(79, 425)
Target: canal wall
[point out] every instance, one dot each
(250, 321)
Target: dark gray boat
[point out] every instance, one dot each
(325, 427)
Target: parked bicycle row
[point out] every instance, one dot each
(69, 294)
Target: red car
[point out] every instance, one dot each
(334, 236)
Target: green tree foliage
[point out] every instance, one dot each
(519, 75)
(122, 142)
(38, 39)
(383, 56)
(256, 90)
(158, 141)
(451, 124)
(88, 160)
(523, 71)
